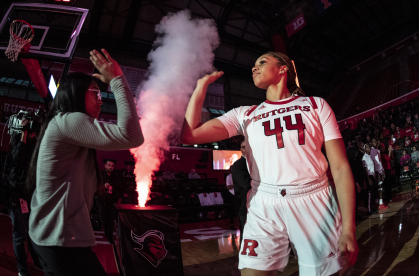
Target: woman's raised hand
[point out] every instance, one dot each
(210, 78)
(107, 67)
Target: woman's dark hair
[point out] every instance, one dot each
(283, 59)
(70, 97)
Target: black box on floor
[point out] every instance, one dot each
(149, 240)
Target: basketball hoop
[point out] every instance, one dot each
(21, 33)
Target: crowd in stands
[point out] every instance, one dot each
(382, 149)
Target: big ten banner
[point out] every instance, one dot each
(295, 25)
(215, 96)
(56, 69)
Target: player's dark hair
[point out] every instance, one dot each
(70, 97)
(283, 59)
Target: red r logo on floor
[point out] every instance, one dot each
(251, 245)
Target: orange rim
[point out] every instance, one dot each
(20, 38)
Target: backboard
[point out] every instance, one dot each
(56, 29)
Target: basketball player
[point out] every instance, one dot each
(291, 201)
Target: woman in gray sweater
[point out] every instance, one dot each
(64, 172)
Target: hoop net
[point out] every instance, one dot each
(20, 34)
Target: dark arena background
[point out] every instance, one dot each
(361, 56)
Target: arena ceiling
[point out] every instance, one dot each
(338, 35)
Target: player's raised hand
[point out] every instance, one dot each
(210, 78)
(107, 67)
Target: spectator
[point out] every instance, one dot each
(386, 132)
(107, 200)
(234, 201)
(364, 127)
(386, 157)
(412, 106)
(367, 139)
(385, 118)
(399, 111)
(392, 128)
(414, 155)
(404, 160)
(168, 174)
(361, 149)
(377, 133)
(241, 180)
(349, 146)
(416, 121)
(230, 184)
(379, 172)
(398, 134)
(358, 173)
(415, 135)
(409, 121)
(353, 125)
(17, 198)
(392, 111)
(128, 173)
(407, 141)
(193, 175)
(407, 130)
(182, 174)
(368, 165)
(379, 144)
(392, 140)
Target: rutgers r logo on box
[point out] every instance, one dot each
(249, 247)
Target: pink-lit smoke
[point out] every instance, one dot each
(183, 53)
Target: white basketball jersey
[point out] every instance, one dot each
(284, 138)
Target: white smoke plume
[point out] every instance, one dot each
(183, 53)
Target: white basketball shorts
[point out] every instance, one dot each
(305, 217)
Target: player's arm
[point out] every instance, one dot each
(193, 132)
(344, 181)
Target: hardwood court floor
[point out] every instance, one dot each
(388, 245)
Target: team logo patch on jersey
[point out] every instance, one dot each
(283, 192)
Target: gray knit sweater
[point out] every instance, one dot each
(66, 177)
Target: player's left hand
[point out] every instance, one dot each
(348, 248)
(106, 65)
